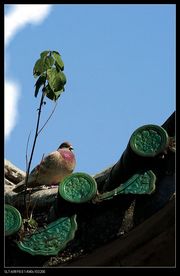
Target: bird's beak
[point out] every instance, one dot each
(71, 148)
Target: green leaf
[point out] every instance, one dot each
(56, 79)
(38, 68)
(42, 65)
(49, 92)
(58, 93)
(48, 62)
(44, 54)
(58, 68)
(49, 68)
(52, 95)
(41, 80)
(59, 82)
(56, 52)
(63, 77)
(58, 59)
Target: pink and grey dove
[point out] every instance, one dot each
(53, 168)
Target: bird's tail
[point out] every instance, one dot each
(19, 187)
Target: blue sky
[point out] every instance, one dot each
(120, 69)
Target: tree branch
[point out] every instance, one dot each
(32, 152)
(48, 118)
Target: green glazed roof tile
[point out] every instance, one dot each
(78, 188)
(141, 183)
(149, 140)
(13, 220)
(52, 239)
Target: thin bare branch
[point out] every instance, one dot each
(32, 151)
(27, 150)
(48, 118)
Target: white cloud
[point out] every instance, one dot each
(11, 99)
(20, 15)
(17, 18)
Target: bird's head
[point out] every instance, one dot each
(66, 145)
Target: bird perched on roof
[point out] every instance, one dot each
(52, 169)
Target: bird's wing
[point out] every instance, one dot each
(50, 163)
(41, 169)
